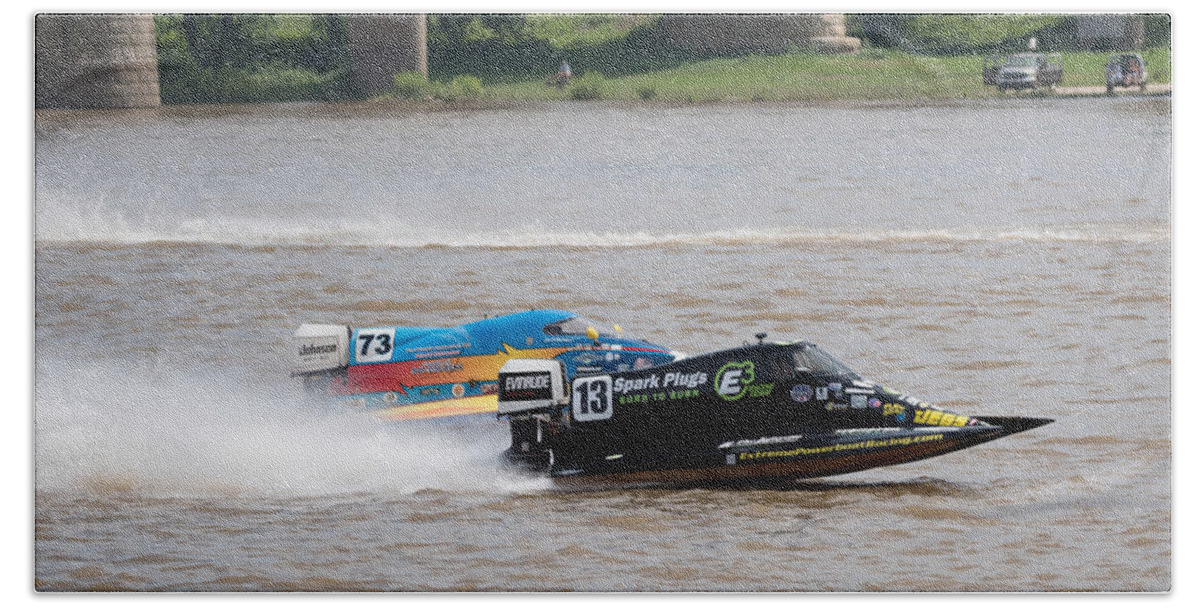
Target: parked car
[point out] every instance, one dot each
(1026, 71)
(1125, 70)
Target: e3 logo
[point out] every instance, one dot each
(591, 398)
(732, 380)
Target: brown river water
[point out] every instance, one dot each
(997, 257)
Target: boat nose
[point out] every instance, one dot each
(1015, 424)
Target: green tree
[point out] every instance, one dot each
(957, 34)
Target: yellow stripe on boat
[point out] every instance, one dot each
(479, 404)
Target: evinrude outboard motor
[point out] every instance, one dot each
(531, 391)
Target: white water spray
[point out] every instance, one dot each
(175, 432)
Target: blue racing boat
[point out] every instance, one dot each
(405, 373)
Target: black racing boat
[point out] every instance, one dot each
(765, 411)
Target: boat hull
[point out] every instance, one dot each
(798, 457)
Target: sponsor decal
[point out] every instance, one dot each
(525, 386)
(822, 393)
(430, 390)
(514, 383)
(801, 393)
(440, 366)
(659, 387)
(437, 354)
(426, 351)
(391, 397)
(760, 390)
(741, 443)
(436, 351)
(317, 349)
(858, 402)
(874, 402)
(894, 409)
(458, 390)
(625, 385)
(642, 363)
(591, 398)
(489, 388)
(736, 380)
(588, 369)
(657, 381)
(690, 393)
(588, 358)
(529, 341)
(866, 444)
(932, 417)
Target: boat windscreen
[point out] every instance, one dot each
(810, 359)
(574, 326)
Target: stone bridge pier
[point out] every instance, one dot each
(95, 61)
(382, 46)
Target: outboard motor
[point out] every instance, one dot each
(531, 392)
(321, 351)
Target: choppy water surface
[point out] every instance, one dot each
(1000, 257)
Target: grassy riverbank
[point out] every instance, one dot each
(868, 75)
(206, 59)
